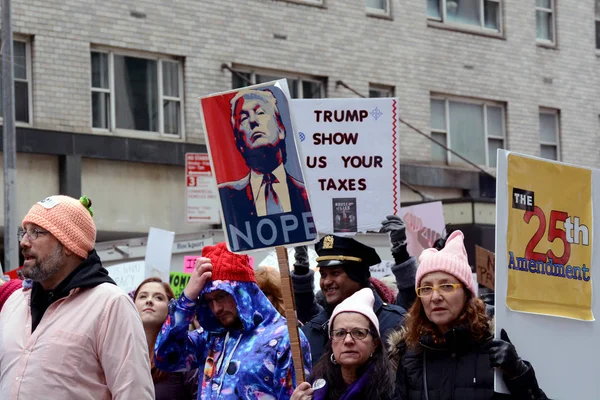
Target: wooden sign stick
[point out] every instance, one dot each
(290, 312)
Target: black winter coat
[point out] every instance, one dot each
(390, 316)
(459, 369)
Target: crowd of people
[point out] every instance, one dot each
(68, 332)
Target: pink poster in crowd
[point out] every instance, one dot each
(424, 225)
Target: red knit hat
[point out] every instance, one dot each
(8, 288)
(228, 266)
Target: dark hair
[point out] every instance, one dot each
(473, 316)
(381, 385)
(157, 375)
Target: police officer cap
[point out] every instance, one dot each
(336, 250)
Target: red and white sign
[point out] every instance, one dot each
(201, 190)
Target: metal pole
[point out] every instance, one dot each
(9, 156)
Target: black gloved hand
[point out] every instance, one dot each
(503, 355)
(397, 230)
(301, 264)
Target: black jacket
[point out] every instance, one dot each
(390, 316)
(459, 369)
(88, 274)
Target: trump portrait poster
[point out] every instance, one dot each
(264, 201)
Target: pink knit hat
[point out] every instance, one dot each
(360, 302)
(452, 259)
(68, 219)
(8, 288)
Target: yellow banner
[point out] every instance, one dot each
(549, 238)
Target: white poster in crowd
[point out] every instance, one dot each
(546, 252)
(201, 190)
(350, 156)
(128, 275)
(158, 253)
(424, 225)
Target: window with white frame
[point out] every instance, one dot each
(301, 86)
(544, 21)
(482, 14)
(22, 79)
(549, 134)
(137, 93)
(598, 24)
(380, 90)
(378, 7)
(474, 129)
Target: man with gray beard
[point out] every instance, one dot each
(74, 334)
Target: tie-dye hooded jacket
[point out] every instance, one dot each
(255, 363)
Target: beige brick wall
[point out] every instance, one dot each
(338, 41)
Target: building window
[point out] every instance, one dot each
(473, 129)
(22, 81)
(301, 86)
(544, 20)
(598, 24)
(381, 7)
(381, 90)
(549, 134)
(137, 93)
(483, 14)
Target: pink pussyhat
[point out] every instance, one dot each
(452, 259)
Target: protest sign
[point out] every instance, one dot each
(424, 225)
(128, 275)
(351, 161)
(545, 250)
(178, 282)
(201, 190)
(158, 253)
(485, 264)
(253, 154)
(189, 263)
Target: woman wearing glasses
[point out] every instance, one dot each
(355, 364)
(447, 350)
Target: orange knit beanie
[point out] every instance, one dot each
(68, 219)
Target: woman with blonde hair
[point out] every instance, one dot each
(447, 350)
(151, 299)
(269, 282)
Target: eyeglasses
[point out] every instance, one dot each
(32, 234)
(446, 288)
(219, 299)
(356, 334)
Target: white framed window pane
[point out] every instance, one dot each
(172, 117)
(548, 152)
(437, 116)
(240, 79)
(266, 78)
(377, 4)
(438, 153)
(548, 128)
(20, 60)
(491, 14)
(311, 89)
(463, 11)
(136, 93)
(433, 9)
(170, 71)
(294, 86)
(21, 101)
(543, 3)
(101, 110)
(493, 146)
(543, 22)
(100, 70)
(494, 122)
(467, 134)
